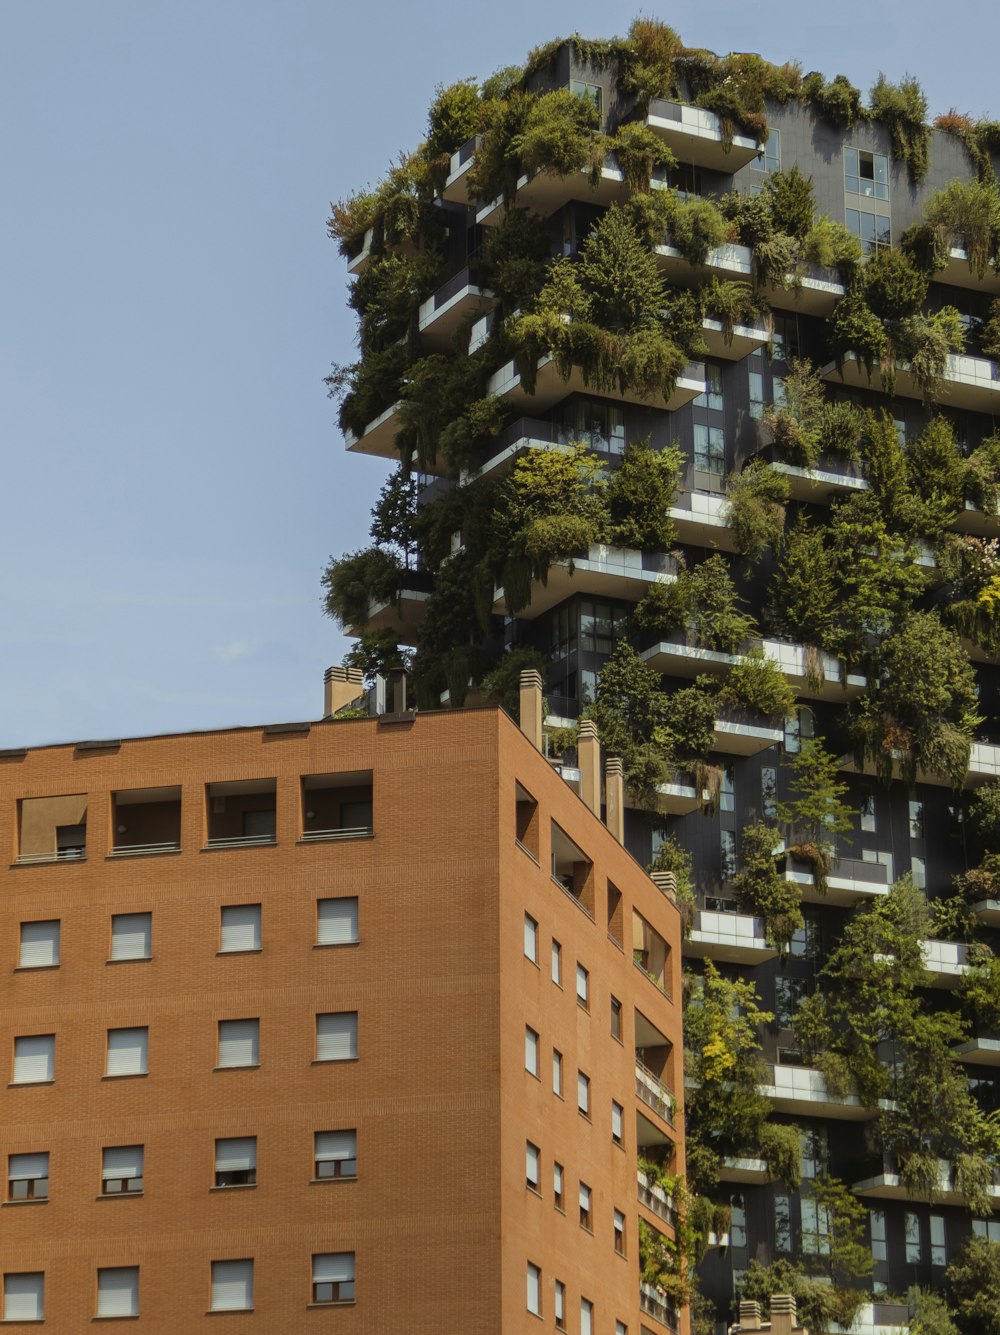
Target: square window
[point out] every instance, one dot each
(532, 1165)
(530, 938)
(236, 1162)
(557, 963)
(337, 921)
(583, 987)
(557, 1085)
(127, 1052)
(39, 947)
(617, 1122)
(34, 1059)
(239, 1043)
(583, 1093)
(240, 928)
(118, 1291)
(534, 1289)
(232, 1286)
(24, 1296)
(131, 936)
(336, 1154)
(616, 1019)
(337, 1036)
(585, 1200)
(333, 1277)
(121, 1170)
(28, 1176)
(530, 1050)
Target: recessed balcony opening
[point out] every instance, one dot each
(653, 1063)
(650, 953)
(526, 821)
(52, 829)
(337, 806)
(241, 813)
(146, 821)
(572, 869)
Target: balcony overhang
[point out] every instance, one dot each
(988, 912)
(730, 262)
(984, 765)
(841, 890)
(440, 317)
(819, 680)
(743, 738)
(802, 1090)
(402, 615)
(889, 1186)
(503, 461)
(732, 938)
(957, 273)
(704, 523)
(695, 135)
(972, 519)
(677, 798)
(546, 192)
(968, 382)
(979, 1052)
(812, 290)
(819, 485)
(378, 437)
(739, 343)
(551, 388)
(456, 187)
(613, 572)
(946, 962)
(748, 1171)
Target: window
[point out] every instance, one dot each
(939, 1252)
(557, 963)
(805, 943)
(617, 1122)
(34, 1059)
(337, 922)
(769, 792)
(557, 1085)
(911, 1231)
(39, 945)
(815, 1228)
(727, 854)
(757, 399)
(789, 994)
(769, 157)
(534, 1289)
(621, 1328)
(532, 1165)
(71, 840)
(24, 1296)
(712, 397)
(333, 1277)
(986, 1228)
(121, 1170)
(232, 1286)
(236, 1162)
(239, 1043)
(240, 928)
(530, 938)
(866, 174)
(785, 337)
(530, 1050)
(131, 936)
(28, 1177)
(559, 1304)
(916, 813)
(869, 820)
(601, 626)
(586, 1317)
(583, 1093)
(782, 1224)
(557, 1185)
(709, 449)
(918, 871)
(337, 1036)
(583, 987)
(590, 92)
(727, 789)
(585, 1196)
(127, 1052)
(616, 1019)
(814, 1152)
(797, 725)
(877, 1221)
(619, 1233)
(336, 1154)
(118, 1291)
(874, 232)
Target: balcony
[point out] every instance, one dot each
(887, 1184)
(402, 614)
(551, 388)
(654, 1094)
(742, 340)
(694, 135)
(946, 962)
(655, 1199)
(832, 479)
(812, 674)
(527, 433)
(146, 821)
(703, 521)
(728, 263)
(378, 437)
(241, 813)
(609, 572)
(978, 522)
(52, 829)
(677, 797)
(336, 806)
(650, 953)
(983, 1050)
(802, 1091)
(443, 314)
(847, 882)
(878, 1319)
(968, 382)
(456, 187)
(984, 764)
(731, 938)
(741, 732)
(956, 273)
(988, 912)
(652, 1303)
(811, 290)
(546, 192)
(751, 1172)
(360, 259)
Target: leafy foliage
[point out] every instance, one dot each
(760, 889)
(755, 509)
(902, 108)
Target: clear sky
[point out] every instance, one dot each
(169, 305)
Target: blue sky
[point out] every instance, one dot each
(169, 305)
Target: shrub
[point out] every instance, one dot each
(902, 107)
(755, 509)
(697, 227)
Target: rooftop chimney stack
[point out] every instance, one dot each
(589, 753)
(783, 1314)
(614, 783)
(341, 685)
(531, 706)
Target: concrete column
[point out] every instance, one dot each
(589, 753)
(531, 706)
(615, 797)
(341, 685)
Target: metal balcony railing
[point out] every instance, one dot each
(654, 1093)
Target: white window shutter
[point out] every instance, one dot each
(127, 1051)
(332, 1145)
(118, 1291)
(232, 1286)
(236, 1155)
(23, 1167)
(337, 1036)
(34, 1058)
(131, 936)
(333, 1268)
(239, 1042)
(240, 927)
(121, 1161)
(24, 1296)
(39, 944)
(336, 921)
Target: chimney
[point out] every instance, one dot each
(531, 706)
(783, 1314)
(749, 1315)
(396, 691)
(589, 752)
(615, 797)
(341, 685)
(666, 883)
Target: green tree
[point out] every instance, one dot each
(640, 493)
(755, 509)
(816, 811)
(973, 1281)
(630, 710)
(803, 595)
(762, 891)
